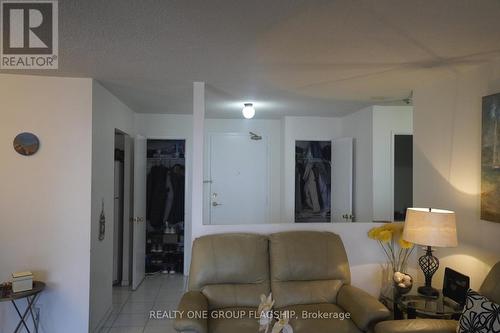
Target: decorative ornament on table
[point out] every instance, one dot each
(402, 282)
(265, 313)
(266, 317)
(397, 251)
(282, 324)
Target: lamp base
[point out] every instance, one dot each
(429, 265)
(428, 291)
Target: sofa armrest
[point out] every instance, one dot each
(417, 326)
(365, 309)
(192, 301)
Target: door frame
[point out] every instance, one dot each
(207, 160)
(187, 193)
(393, 151)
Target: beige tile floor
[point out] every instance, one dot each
(131, 309)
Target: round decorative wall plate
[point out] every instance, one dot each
(26, 144)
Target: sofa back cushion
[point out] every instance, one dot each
(230, 269)
(491, 285)
(307, 267)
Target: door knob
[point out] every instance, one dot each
(215, 204)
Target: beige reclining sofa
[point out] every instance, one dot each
(306, 271)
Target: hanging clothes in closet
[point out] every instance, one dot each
(177, 176)
(165, 206)
(158, 194)
(313, 181)
(165, 195)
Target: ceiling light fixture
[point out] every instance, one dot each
(248, 111)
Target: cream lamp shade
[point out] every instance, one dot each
(430, 227)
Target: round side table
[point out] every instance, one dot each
(31, 297)
(420, 306)
(414, 305)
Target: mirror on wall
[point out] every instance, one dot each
(305, 169)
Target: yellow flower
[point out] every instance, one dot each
(385, 236)
(394, 227)
(385, 232)
(404, 244)
(373, 233)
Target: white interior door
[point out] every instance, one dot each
(239, 179)
(128, 172)
(139, 219)
(342, 169)
(118, 221)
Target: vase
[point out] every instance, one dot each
(387, 287)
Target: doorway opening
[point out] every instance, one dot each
(403, 175)
(165, 206)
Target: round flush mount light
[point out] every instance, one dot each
(248, 111)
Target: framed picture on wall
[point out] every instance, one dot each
(490, 159)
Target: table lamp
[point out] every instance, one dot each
(430, 227)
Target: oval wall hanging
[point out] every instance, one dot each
(26, 144)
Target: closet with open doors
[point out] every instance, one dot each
(165, 206)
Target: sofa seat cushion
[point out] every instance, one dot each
(243, 320)
(417, 326)
(305, 319)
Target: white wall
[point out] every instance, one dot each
(387, 120)
(358, 125)
(269, 128)
(108, 114)
(45, 198)
(447, 160)
(173, 126)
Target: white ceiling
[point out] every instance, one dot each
(297, 57)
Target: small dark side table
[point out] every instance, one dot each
(31, 297)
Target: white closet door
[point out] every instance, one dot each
(139, 220)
